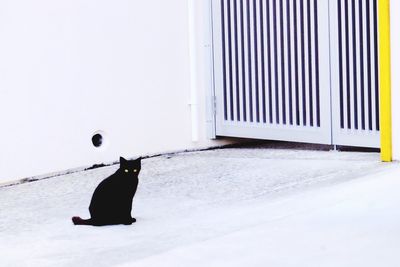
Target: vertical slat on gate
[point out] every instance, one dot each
(278, 64)
(361, 24)
(296, 62)
(224, 64)
(375, 8)
(363, 63)
(317, 81)
(242, 59)
(346, 96)
(231, 60)
(270, 62)
(370, 60)
(310, 67)
(253, 62)
(340, 65)
(256, 49)
(235, 62)
(262, 63)
(301, 55)
(289, 30)
(373, 59)
(350, 69)
(358, 57)
(355, 68)
(314, 63)
(275, 16)
(307, 65)
(250, 59)
(282, 60)
(346, 63)
(286, 31)
(246, 60)
(257, 60)
(257, 46)
(304, 52)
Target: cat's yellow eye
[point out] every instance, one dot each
(126, 170)
(134, 170)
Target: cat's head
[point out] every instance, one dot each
(130, 167)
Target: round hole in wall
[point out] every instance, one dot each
(100, 140)
(97, 140)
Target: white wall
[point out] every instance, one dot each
(71, 68)
(395, 50)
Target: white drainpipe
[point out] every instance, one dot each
(193, 70)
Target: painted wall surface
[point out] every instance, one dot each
(71, 68)
(395, 50)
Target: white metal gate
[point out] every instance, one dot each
(278, 67)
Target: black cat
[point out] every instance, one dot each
(112, 200)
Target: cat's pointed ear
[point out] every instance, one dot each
(139, 159)
(122, 161)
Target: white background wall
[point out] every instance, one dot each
(71, 68)
(395, 50)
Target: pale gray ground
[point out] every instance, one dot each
(182, 199)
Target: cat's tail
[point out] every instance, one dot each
(79, 221)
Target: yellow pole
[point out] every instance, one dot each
(385, 80)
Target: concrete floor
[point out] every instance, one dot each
(183, 199)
